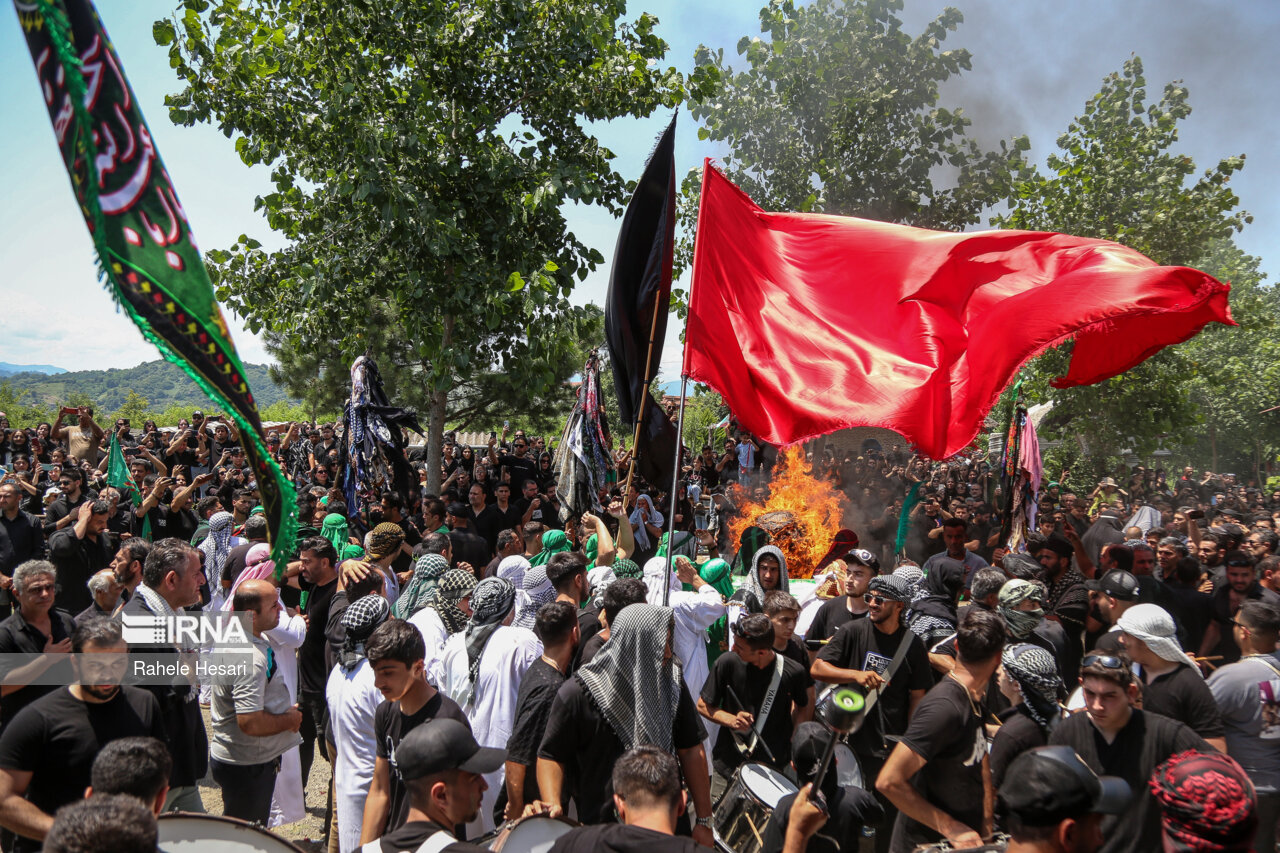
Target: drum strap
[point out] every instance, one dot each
(898, 657)
(767, 705)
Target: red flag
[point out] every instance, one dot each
(808, 323)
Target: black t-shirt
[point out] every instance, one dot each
(1017, 734)
(77, 560)
(1182, 695)
(794, 650)
(469, 548)
(57, 737)
(618, 838)
(830, 617)
(20, 540)
(533, 707)
(587, 650)
(235, 562)
(579, 739)
(411, 836)
(859, 645)
(403, 562)
(588, 627)
(750, 684)
(486, 523)
(17, 636)
(850, 810)
(521, 467)
(1145, 742)
(313, 672)
(390, 725)
(947, 732)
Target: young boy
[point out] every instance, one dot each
(783, 610)
(397, 653)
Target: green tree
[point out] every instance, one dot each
(1115, 177)
(134, 408)
(21, 407)
(421, 153)
(837, 110)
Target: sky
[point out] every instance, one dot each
(1035, 64)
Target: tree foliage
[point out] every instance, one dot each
(1115, 177)
(421, 153)
(836, 110)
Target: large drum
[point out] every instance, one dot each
(181, 832)
(533, 834)
(742, 811)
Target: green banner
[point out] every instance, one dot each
(147, 253)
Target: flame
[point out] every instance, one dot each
(816, 505)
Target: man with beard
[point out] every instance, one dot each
(1068, 601)
(80, 551)
(128, 562)
(862, 653)
(1241, 586)
(1110, 596)
(47, 751)
(839, 611)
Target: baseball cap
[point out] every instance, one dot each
(1117, 583)
(1049, 784)
(444, 744)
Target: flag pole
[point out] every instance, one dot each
(675, 491)
(644, 398)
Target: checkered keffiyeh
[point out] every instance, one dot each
(491, 601)
(636, 689)
(385, 540)
(455, 585)
(535, 591)
(891, 587)
(1207, 803)
(359, 621)
(1036, 673)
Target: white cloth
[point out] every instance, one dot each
(507, 656)
(1153, 625)
(513, 568)
(352, 699)
(288, 804)
(695, 612)
(643, 542)
(434, 635)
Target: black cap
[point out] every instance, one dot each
(808, 744)
(1049, 784)
(458, 510)
(1117, 583)
(444, 744)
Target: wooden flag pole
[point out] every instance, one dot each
(644, 398)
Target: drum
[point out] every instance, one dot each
(998, 844)
(182, 832)
(533, 834)
(742, 811)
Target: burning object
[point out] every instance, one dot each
(801, 514)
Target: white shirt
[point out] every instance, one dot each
(352, 700)
(434, 636)
(695, 612)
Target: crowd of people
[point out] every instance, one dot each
(479, 654)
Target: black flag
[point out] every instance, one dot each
(639, 286)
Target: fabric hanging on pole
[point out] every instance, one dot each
(808, 323)
(636, 306)
(145, 248)
(583, 461)
(372, 455)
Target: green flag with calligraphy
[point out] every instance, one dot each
(147, 253)
(119, 478)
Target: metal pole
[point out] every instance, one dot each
(675, 493)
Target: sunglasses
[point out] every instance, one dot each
(1105, 661)
(872, 598)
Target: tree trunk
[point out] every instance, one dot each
(435, 420)
(1213, 445)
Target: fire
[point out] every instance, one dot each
(816, 508)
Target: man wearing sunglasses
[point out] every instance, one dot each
(861, 653)
(1114, 738)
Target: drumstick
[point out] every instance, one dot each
(751, 825)
(756, 740)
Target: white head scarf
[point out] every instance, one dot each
(654, 571)
(1153, 625)
(513, 568)
(655, 518)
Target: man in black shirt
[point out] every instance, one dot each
(485, 520)
(397, 652)
(319, 580)
(393, 511)
(61, 513)
(850, 809)
(510, 516)
(629, 694)
(861, 653)
(520, 466)
(783, 611)
(557, 628)
(1241, 586)
(464, 544)
(171, 580)
(1114, 738)
(37, 628)
(649, 800)
(47, 751)
(1052, 802)
(1173, 685)
(80, 551)
(937, 775)
(766, 691)
(21, 539)
(443, 769)
(844, 608)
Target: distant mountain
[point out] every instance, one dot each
(7, 369)
(161, 383)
